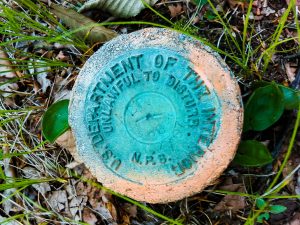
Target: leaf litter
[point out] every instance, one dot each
(79, 201)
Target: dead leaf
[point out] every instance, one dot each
(58, 200)
(112, 210)
(37, 68)
(118, 8)
(42, 74)
(88, 29)
(175, 10)
(237, 3)
(67, 141)
(290, 71)
(89, 217)
(77, 204)
(6, 73)
(130, 209)
(62, 57)
(30, 172)
(295, 220)
(267, 11)
(62, 94)
(73, 165)
(105, 215)
(9, 171)
(231, 202)
(98, 199)
(126, 220)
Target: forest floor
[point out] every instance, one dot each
(39, 65)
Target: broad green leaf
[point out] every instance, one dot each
(55, 120)
(200, 3)
(118, 8)
(260, 83)
(264, 107)
(291, 97)
(86, 28)
(252, 153)
(262, 217)
(260, 203)
(276, 209)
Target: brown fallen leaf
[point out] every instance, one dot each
(175, 10)
(62, 57)
(89, 217)
(88, 29)
(290, 71)
(6, 73)
(131, 209)
(126, 220)
(67, 141)
(231, 202)
(238, 3)
(112, 210)
(295, 220)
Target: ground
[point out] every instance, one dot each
(42, 184)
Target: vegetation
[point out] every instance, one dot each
(42, 50)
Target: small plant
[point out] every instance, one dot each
(33, 23)
(267, 209)
(264, 108)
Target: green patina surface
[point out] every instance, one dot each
(148, 112)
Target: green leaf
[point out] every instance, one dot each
(252, 153)
(209, 14)
(291, 97)
(17, 183)
(2, 174)
(55, 120)
(260, 203)
(276, 209)
(262, 217)
(200, 3)
(264, 107)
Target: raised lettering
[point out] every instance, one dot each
(117, 70)
(158, 61)
(170, 62)
(136, 158)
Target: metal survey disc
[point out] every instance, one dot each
(156, 115)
